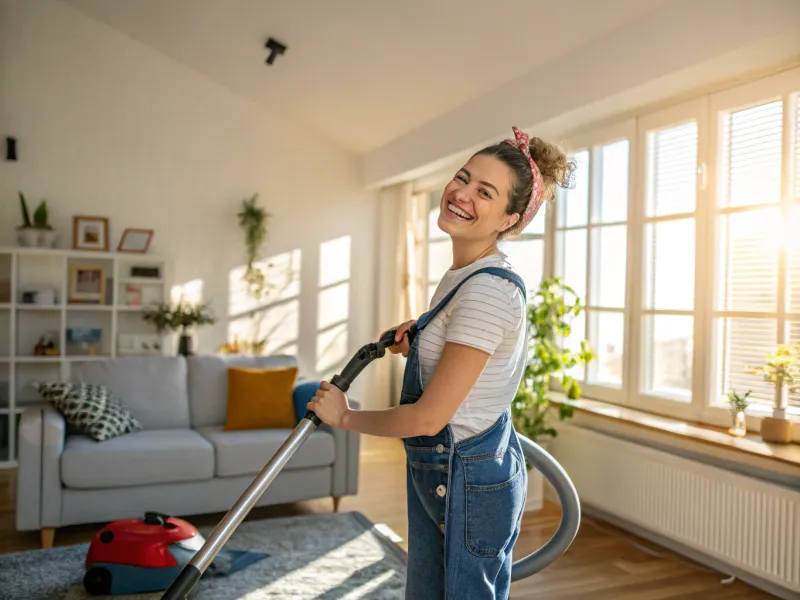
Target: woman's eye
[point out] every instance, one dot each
(486, 194)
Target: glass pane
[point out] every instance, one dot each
(796, 148)
(573, 343)
(671, 170)
(440, 258)
(793, 337)
(753, 146)
(791, 227)
(607, 341)
(527, 257)
(668, 350)
(669, 265)
(609, 262)
(573, 208)
(614, 182)
(743, 343)
(748, 260)
(434, 231)
(537, 225)
(571, 260)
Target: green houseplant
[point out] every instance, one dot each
(550, 317)
(253, 221)
(35, 231)
(181, 318)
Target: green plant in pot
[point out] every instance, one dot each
(550, 316)
(253, 220)
(782, 370)
(35, 231)
(181, 318)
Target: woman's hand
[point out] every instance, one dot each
(401, 345)
(329, 404)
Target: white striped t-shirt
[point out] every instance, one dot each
(487, 312)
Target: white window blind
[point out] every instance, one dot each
(757, 291)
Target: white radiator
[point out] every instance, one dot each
(749, 524)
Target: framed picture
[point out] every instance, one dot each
(87, 284)
(135, 240)
(90, 233)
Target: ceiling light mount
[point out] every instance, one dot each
(276, 49)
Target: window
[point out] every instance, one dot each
(591, 248)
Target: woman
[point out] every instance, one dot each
(466, 476)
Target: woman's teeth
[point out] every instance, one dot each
(455, 210)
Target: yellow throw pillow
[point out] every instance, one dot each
(260, 398)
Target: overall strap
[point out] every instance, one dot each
(500, 272)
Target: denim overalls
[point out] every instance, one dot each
(465, 499)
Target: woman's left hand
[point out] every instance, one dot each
(329, 404)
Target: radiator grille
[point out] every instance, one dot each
(742, 521)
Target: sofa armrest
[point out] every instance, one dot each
(29, 471)
(54, 432)
(345, 467)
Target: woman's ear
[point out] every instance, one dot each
(509, 221)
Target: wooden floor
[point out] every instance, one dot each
(603, 563)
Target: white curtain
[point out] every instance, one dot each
(401, 293)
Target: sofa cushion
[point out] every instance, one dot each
(246, 452)
(260, 398)
(153, 388)
(90, 409)
(208, 382)
(139, 458)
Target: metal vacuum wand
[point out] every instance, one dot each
(191, 573)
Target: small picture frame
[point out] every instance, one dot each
(90, 233)
(87, 284)
(136, 241)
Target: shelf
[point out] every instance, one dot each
(47, 279)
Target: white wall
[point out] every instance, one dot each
(109, 127)
(686, 44)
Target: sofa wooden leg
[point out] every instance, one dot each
(336, 501)
(48, 535)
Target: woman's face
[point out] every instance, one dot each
(474, 203)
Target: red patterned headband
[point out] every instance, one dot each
(521, 141)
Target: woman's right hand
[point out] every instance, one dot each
(401, 345)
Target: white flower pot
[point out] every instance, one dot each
(47, 238)
(28, 237)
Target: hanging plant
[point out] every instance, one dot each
(253, 220)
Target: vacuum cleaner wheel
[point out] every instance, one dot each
(97, 581)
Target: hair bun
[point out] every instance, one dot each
(556, 168)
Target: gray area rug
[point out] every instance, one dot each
(326, 557)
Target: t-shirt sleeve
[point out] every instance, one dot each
(481, 314)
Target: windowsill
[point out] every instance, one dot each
(751, 443)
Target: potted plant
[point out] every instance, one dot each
(782, 370)
(181, 318)
(550, 316)
(253, 220)
(738, 406)
(36, 231)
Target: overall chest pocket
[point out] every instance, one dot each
(495, 498)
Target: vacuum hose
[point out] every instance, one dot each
(189, 576)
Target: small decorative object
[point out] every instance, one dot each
(782, 370)
(46, 345)
(87, 284)
(133, 295)
(139, 344)
(236, 346)
(253, 220)
(182, 319)
(36, 232)
(738, 405)
(83, 340)
(151, 272)
(90, 233)
(41, 296)
(135, 240)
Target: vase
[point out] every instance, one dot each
(739, 428)
(185, 345)
(28, 237)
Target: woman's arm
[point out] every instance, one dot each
(456, 372)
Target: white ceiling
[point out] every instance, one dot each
(363, 72)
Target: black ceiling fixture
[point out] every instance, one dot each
(276, 49)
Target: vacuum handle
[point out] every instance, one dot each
(358, 363)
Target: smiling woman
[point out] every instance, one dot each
(465, 359)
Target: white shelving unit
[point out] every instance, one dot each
(37, 302)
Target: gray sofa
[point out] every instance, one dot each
(181, 463)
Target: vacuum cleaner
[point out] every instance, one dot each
(561, 540)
